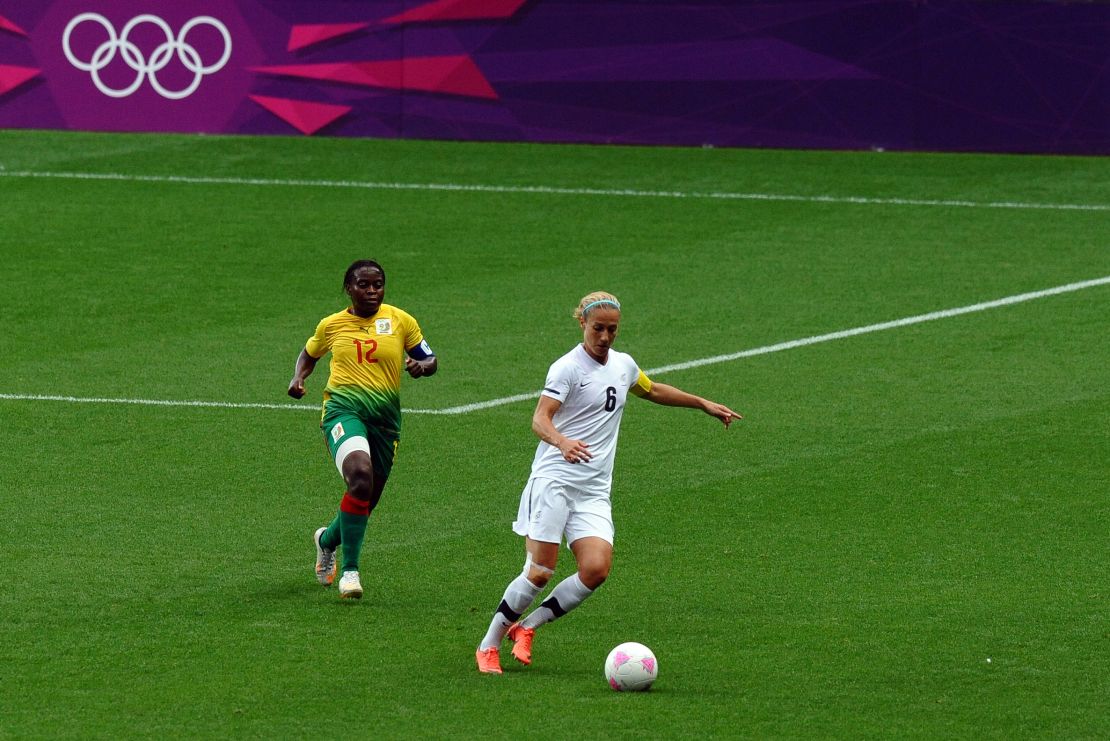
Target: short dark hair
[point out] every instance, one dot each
(350, 274)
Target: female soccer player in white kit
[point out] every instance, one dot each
(577, 420)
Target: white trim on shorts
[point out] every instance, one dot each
(550, 510)
(348, 446)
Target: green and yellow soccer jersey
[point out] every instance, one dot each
(367, 357)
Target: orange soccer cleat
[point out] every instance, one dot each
(522, 642)
(488, 661)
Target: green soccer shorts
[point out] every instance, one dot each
(345, 432)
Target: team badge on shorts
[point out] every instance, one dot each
(337, 432)
(383, 326)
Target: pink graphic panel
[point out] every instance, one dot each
(12, 77)
(305, 116)
(6, 25)
(302, 36)
(453, 75)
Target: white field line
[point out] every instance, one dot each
(160, 402)
(467, 408)
(552, 190)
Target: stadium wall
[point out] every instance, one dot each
(947, 75)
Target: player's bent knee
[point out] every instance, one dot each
(592, 582)
(358, 473)
(537, 573)
(539, 576)
(360, 483)
(593, 576)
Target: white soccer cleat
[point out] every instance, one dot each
(325, 560)
(349, 585)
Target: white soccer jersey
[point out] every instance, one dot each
(592, 397)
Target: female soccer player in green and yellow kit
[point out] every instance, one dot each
(370, 342)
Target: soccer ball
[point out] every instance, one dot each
(631, 667)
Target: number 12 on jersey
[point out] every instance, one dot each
(366, 355)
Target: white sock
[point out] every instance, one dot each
(518, 595)
(567, 594)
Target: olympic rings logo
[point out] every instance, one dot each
(133, 56)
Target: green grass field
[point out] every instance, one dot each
(906, 537)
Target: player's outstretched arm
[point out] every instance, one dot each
(305, 365)
(670, 396)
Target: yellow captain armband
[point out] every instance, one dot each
(642, 387)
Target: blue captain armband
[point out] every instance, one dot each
(421, 351)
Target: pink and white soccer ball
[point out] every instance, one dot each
(631, 667)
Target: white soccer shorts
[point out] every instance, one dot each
(550, 510)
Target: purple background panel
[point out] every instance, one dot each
(951, 75)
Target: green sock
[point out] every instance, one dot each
(332, 536)
(353, 529)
